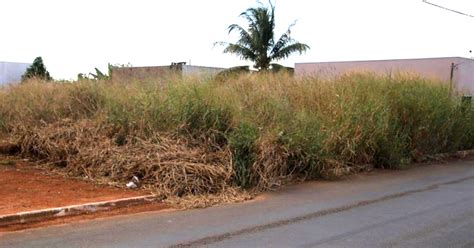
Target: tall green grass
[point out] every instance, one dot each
(317, 128)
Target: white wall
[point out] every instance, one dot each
(464, 76)
(438, 68)
(11, 72)
(191, 70)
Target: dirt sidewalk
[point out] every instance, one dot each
(23, 187)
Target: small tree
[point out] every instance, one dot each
(37, 70)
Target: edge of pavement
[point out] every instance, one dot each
(50, 213)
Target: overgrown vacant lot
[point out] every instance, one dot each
(189, 136)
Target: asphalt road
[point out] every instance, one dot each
(426, 206)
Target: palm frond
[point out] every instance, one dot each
(241, 51)
(245, 38)
(283, 41)
(250, 14)
(288, 50)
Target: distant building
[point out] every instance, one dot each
(436, 68)
(11, 72)
(155, 72)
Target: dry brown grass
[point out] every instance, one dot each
(169, 166)
(270, 168)
(193, 136)
(228, 195)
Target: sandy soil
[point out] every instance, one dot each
(24, 188)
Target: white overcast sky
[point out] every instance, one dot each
(75, 36)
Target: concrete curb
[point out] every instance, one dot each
(465, 153)
(50, 213)
(459, 154)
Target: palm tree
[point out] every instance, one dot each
(257, 43)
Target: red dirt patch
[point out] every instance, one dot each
(25, 188)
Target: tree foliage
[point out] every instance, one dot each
(37, 70)
(99, 75)
(257, 43)
(232, 72)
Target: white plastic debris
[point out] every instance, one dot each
(134, 183)
(135, 180)
(131, 185)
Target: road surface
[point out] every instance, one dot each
(426, 206)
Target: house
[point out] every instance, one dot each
(155, 72)
(457, 71)
(11, 72)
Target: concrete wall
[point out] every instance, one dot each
(191, 70)
(464, 76)
(11, 72)
(436, 68)
(157, 72)
(141, 73)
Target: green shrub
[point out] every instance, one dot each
(304, 138)
(242, 142)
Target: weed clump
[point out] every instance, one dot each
(190, 136)
(170, 166)
(243, 142)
